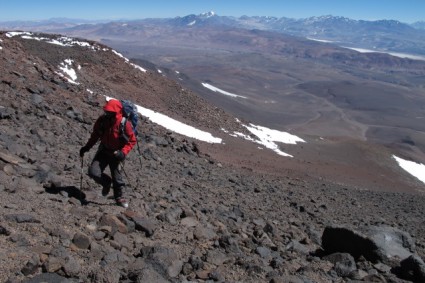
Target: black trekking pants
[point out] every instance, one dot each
(98, 165)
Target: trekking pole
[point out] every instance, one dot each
(81, 176)
(140, 154)
(141, 163)
(125, 173)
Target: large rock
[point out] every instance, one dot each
(72, 267)
(81, 240)
(114, 222)
(53, 264)
(148, 274)
(31, 266)
(9, 158)
(21, 218)
(216, 257)
(107, 273)
(345, 240)
(392, 242)
(383, 244)
(344, 263)
(413, 268)
(5, 112)
(4, 231)
(141, 223)
(202, 233)
(164, 259)
(49, 278)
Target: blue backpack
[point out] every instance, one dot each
(129, 113)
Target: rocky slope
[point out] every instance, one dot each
(192, 218)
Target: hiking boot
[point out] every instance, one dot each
(105, 190)
(122, 202)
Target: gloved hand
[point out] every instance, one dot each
(83, 150)
(119, 155)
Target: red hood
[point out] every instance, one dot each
(113, 105)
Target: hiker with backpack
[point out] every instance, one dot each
(117, 138)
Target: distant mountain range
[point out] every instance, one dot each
(419, 25)
(382, 35)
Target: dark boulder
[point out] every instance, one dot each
(376, 244)
(344, 263)
(413, 268)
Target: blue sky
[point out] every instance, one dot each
(407, 11)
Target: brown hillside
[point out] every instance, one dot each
(198, 212)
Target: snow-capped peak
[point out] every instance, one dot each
(207, 14)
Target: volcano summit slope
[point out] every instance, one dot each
(199, 212)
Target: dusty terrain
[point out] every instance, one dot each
(199, 212)
(293, 83)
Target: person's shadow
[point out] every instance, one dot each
(71, 191)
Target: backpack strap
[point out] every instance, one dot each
(123, 134)
(122, 125)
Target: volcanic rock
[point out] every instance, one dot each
(198, 212)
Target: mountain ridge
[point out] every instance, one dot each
(381, 35)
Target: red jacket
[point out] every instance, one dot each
(108, 130)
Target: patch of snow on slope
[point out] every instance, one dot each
(128, 61)
(68, 72)
(16, 33)
(62, 41)
(413, 168)
(320, 40)
(216, 89)
(396, 54)
(269, 137)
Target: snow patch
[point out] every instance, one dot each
(396, 54)
(128, 61)
(68, 72)
(177, 126)
(16, 33)
(216, 89)
(320, 40)
(269, 137)
(413, 168)
(363, 50)
(138, 67)
(266, 137)
(120, 55)
(62, 41)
